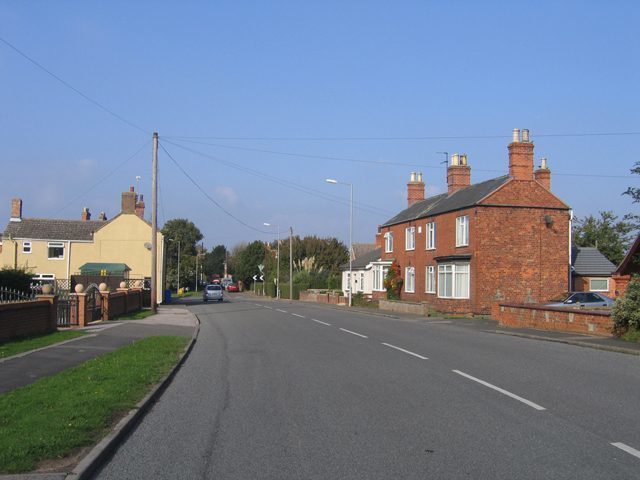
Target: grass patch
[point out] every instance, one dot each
(135, 316)
(26, 344)
(632, 336)
(55, 415)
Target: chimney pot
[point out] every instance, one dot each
(86, 215)
(525, 135)
(454, 159)
(515, 135)
(132, 189)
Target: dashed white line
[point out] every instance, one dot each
(296, 315)
(320, 321)
(282, 311)
(405, 351)
(270, 308)
(501, 390)
(353, 333)
(627, 448)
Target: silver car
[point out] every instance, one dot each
(584, 300)
(212, 292)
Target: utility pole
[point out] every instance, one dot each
(290, 263)
(154, 224)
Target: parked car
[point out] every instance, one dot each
(232, 287)
(584, 299)
(212, 292)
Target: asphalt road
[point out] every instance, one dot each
(279, 390)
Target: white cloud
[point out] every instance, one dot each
(228, 194)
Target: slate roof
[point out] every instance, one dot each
(51, 229)
(363, 260)
(463, 198)
(589, 261)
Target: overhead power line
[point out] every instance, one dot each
(74, 89)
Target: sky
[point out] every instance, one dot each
(257, 103)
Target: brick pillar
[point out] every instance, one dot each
(82, 309)
(105, 306)
(53, 310)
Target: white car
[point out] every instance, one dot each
(212, 292)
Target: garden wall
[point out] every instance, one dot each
(22, 319)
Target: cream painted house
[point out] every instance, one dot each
(56, 249)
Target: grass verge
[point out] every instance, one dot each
(55, 415)
(25, 344)
(632, 336)
(136, 316)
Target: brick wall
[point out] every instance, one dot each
(26, 318)
(404, 307)
(581, 284)
(594, 322)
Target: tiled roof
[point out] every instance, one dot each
(51, 229)
(463, 198)
(363, 260)
(589, 261)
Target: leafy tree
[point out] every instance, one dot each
(247, 261)
(393, 282)
(634, 192)
(626, 310)
(608, 234)
(184, 232)
(213, 262)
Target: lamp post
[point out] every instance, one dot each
(178, 241)
(350, 185)
(278, 263)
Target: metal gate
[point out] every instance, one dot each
(67, 309)
(94, 303)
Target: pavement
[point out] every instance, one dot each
(26, 368)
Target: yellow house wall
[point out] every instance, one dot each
(37, 261)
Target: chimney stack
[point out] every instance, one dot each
(129, 201)
(140, 207)
(521, 156)
(86, 215)
(543, 174)
(16, 210)
(415, 189)
(102, 216)
(458, 173)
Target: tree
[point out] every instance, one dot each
(626, 310)
(634, 192)
(608, 234)
(180, 231)
(247, 261)
(214, 260)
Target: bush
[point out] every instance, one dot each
(626, 310)
(393, 282)
(16, 278)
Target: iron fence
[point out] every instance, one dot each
(9, 295)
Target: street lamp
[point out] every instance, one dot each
(178, 241)
(278, 264)
(350, 185)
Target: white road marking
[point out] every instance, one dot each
(270, 308)
(296, 315)
(320, 321)
(498, 389)
(627, 448)
(405, 351)
(282, 311)
(353, 333)
(257, 305)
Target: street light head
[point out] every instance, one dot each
(266, 224)
(331, 180)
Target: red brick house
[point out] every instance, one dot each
(505, 239)
(629, 267)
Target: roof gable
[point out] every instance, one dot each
(523, 194)
(363, 260)
(631, 261)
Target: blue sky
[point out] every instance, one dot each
(338, 89)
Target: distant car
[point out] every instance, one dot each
(584, 299)
(233, 287)
(212, 292)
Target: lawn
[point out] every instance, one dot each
(37, 341)
(135, 316)
(52, 417)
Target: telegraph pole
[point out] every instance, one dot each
(154, 225)
(290, 263)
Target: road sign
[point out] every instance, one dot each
(262, 278)
(255, 277)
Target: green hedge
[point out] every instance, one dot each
(15, 278)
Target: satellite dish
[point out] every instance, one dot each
(147, 245)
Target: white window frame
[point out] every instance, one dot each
(591, 289)
(462, 231)
(430, 279)
(379, 273)
(410, 286)
(388, 242)
(410, 238)
(26, 245)
(55, 245)
(456, 271)
(430, 230)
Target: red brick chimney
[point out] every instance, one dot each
(129, 201)
(543, 174)
(140, 207)
(415, 189)
(16, 209)
(521, 156)
(86, 215)
(458, 173)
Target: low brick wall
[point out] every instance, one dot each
(403, 307)
(27, 318)
(328, 298)
(593, 322)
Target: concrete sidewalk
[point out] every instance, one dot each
(25, 368)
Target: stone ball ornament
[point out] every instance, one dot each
(79, 288)
(103, 287)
